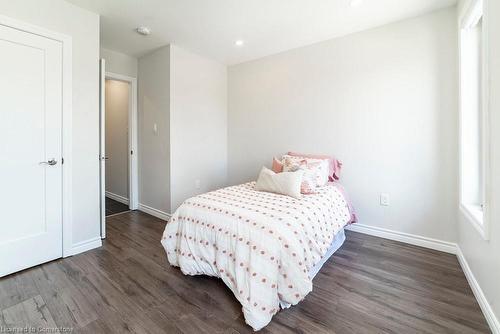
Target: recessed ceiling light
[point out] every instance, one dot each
(355, 3)
(143, 30)
(239, 43)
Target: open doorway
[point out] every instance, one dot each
(118, 137)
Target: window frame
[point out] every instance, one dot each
(471, 12)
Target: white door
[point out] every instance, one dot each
(30, 150)
(102, 142)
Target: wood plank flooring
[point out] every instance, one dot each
(113, 207)
(371, 285)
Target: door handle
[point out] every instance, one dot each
(104, 158)
(51, 162)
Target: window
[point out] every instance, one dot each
(472, 114)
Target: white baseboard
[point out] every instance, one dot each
(478, 293)
(412, 239)
(154, 212)
(117, 198)
(84, 246)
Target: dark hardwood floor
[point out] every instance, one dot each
(371, 285)
(113, 207)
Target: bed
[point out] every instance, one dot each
(266, 247)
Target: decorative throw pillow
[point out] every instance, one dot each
(309, 183)
(277, 166)
(318, 167)
(334, 164)
(286, 183)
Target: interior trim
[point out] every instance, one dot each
(133, 126)
(479, 294)
(117, 198)
(412, 239)
(84, 246)
(154, 212)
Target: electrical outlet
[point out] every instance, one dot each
(197, 183)
(385, 199)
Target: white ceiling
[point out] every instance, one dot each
(210, 27)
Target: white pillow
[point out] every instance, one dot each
(286, 183)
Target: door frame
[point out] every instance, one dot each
(102, 146)
(133, 173)
(66, 119)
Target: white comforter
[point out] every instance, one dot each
(262, 245)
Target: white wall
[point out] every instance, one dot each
(483, 256)
(83, 27)
(119, 63)
(384, 101)
(117, 107)
(186, 96)
(198, 124)
(154, 147)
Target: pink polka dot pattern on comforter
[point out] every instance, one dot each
(262, 245)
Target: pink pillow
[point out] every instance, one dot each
(334, 164)
(277, 166)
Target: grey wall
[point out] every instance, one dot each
(384, 101)
(186, 96)
(83, 27)
(198, 125)
(154, 147)
(117, 107)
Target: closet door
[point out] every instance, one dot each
(30, 149)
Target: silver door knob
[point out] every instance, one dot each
(51, 162)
